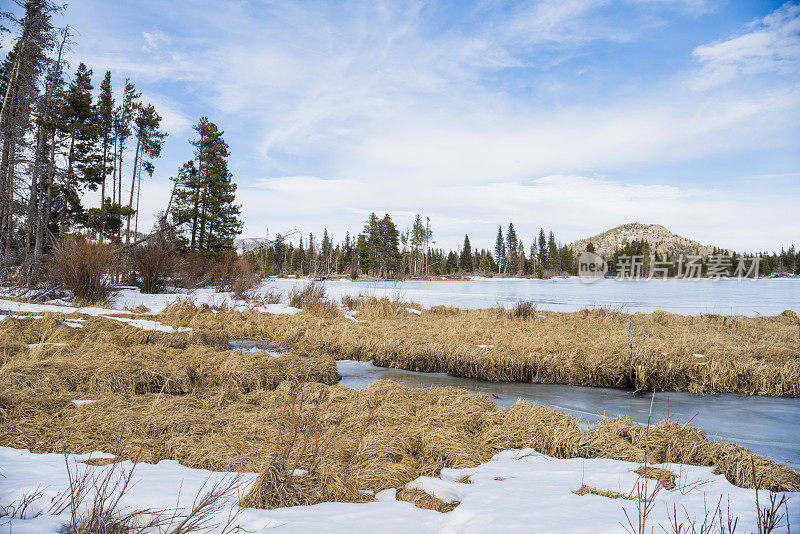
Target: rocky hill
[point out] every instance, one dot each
(248, 243)
(661, 240)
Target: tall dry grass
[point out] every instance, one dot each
(181, 397)
(83, 266)
(659, 351)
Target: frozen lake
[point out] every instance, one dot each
(686, 297)
(766, 425)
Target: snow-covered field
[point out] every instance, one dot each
(517, 491)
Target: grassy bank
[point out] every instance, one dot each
(658, 351)
(181, 397)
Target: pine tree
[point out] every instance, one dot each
(124, 116)
(326, 253)
(391, 260)
(205, 211)
(79, 123)
(104, 111)
(512, 254)
(465, 261)
(553, 258)
(500, 249)
(363, 254)
(149, 140)
(543, 255)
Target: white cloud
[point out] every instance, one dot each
(370, 106)
(576, 206)
(771, 46)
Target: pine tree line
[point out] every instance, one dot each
(380, 251)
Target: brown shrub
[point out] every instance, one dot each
(234, 274)
(312, 298)
(83, 267)
(154, 264)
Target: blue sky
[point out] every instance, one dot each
(574, 115)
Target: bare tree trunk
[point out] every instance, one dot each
(133, 187)
(138, 196)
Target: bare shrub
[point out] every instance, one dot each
(299, 471)
(82, 266)
(234, 274)
(312, 298)
(194, 271)
(154, 264)
(350, 302)
(271, 296)
(523, 309)
(353, 272)
(94, 502)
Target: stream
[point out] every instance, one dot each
(766, 425)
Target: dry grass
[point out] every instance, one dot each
(592, 348)
(664, 476)
(312, 298)
(180, 397)
(588, 490)
(422, 499)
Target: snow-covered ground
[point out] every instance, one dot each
(517, 491)
(131, 297)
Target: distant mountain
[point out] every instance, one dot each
(246, 244)
(661, 240)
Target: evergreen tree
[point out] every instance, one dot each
(363, 254)
(149, 140)
(512, 254)
(553, 259)
(326, 252)
(205, 211)
(451, 264)
(391, 261)
(500, 249)
(124, 116)
(543, 256)
(79, 124)
(104, 111)
(465, 261)
(486, 265)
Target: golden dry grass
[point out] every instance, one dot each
(589, 490)
(178, 396)
(592, 348)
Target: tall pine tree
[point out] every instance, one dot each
(205, 212)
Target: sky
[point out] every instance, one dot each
(571, 115)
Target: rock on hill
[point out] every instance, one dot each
(661, 240)
(248, 243)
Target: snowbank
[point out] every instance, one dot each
(516, 491)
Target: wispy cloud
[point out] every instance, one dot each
(455, 108)
(771, 45)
